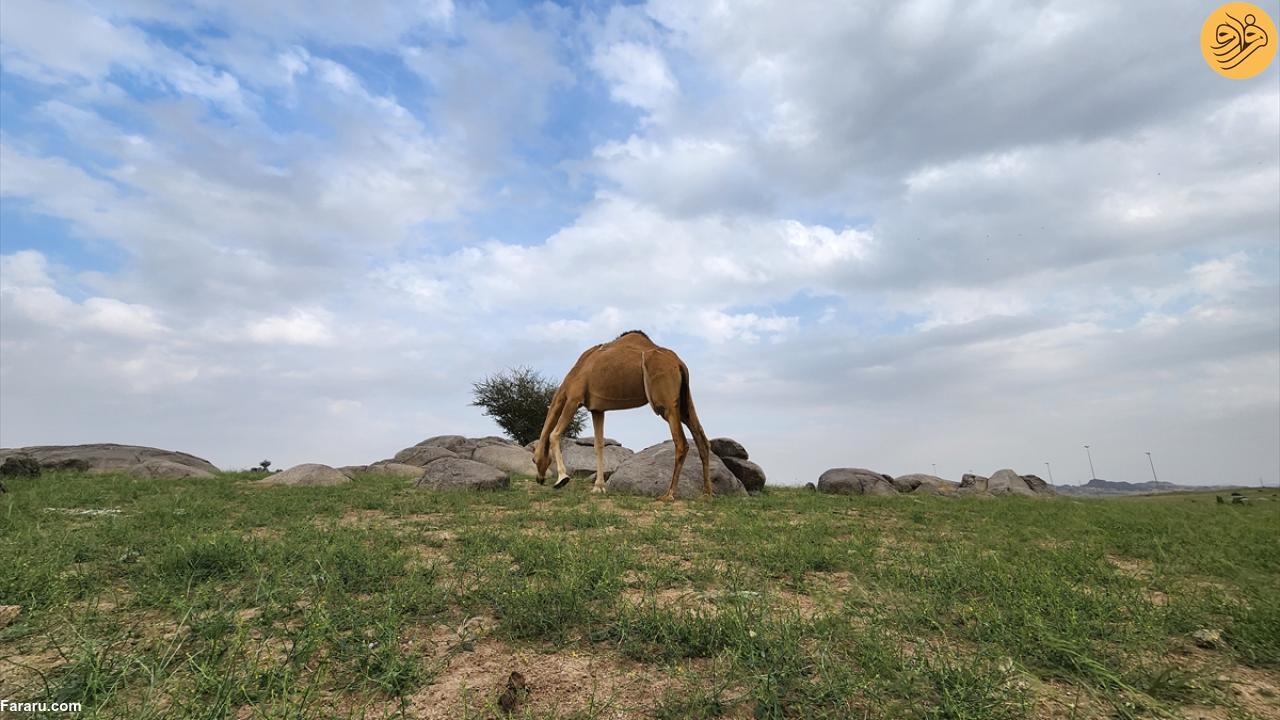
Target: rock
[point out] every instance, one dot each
(1007, 482)
(456, 444)
(351, 470)
(105, 457)
(20, 466)
(856, 481)
(648, 472)
(810, 487)
(411, 472)
(306, 474)
(421, 455)
(580, 459)
(1038, 485)
(506, 457)
(725, 447)
(455, 473)
(748, 473)
(1207, 637)
(157, 468)
(1238, 500)
(590, 442)
(923, 484)
(9, 613)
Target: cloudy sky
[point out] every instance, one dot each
(886, 235)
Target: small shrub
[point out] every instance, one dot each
(518, 401)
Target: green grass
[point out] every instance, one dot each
(216, 598)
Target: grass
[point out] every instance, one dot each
(216, 598)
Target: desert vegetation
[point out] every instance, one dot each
(215, 597)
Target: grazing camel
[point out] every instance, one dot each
(627, 373)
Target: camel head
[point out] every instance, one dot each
(542, 458)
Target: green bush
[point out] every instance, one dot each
(518, 400)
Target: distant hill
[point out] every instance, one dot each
(1098, 486)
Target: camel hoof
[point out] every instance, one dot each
(561, 482)
(597, 489)
(667, 498)
(542, 481)
(705, 496)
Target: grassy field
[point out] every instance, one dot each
(215, 598)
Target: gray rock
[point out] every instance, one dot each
(970, 483)
(589, 441)
(1007, 482)
(810, 487)
(914, 482)
(166, 470)
(506, 457)
(1038, 485)
(580, 458)
(855, 481)
(728, 448)
(306, 474)
(648, 472)
(458, 445)
(421, 455)
(351, 470)
(104, 457)
(403, 470)
(748, 473)
(1207, 638)
(455, 473)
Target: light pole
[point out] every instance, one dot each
(935, 469)
(1046, 467)
(1092, 473)
(1153, 468)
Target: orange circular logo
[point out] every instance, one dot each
(1238, 40)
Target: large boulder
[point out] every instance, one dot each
(455, 473)
(421, 455)
(507, 457)
(307, 474)
(580, 456)
(923, 484)
(157, 468)
(648, 472)
(1004, 482)
(109, 458)
(748, 473)
(1038, 485)
(394, 469)
(855, 481)
(725, 447)
(970, 484)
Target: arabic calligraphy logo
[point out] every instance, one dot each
(1238, 40)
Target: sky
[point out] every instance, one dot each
(894, 235)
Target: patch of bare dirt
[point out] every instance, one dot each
(471, 683)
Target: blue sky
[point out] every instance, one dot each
(882, 235)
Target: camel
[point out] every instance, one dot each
(629, 372)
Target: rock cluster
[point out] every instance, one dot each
(135, 460)
(860, 481)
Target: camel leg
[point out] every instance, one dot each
(700, 440)
(597, 422)
(682, 449)
(566, 416)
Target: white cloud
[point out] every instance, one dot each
(300, 327)
(637, 75)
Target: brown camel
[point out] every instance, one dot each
(629, 372)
